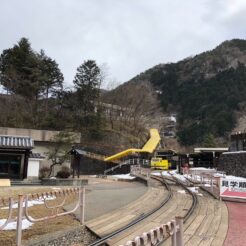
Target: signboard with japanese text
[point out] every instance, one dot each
(234, 188)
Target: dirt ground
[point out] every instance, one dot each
(102, 195)
(36, 211)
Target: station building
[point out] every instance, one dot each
(24, 151)
(201, 157)
(206, 157)
(14, 156)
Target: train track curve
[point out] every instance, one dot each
(144, 217)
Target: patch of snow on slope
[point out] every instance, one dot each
(193, 189)
(32, 202)
(123, 176)
(12, 225)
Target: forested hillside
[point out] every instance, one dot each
(205, 91)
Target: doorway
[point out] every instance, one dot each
(10, 166)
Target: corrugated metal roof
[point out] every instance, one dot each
(16, 142)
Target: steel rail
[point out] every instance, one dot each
(194, 199)
(191, 209)
(141, 218)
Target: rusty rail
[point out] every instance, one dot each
(23, 213)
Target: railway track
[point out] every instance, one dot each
(194, 199)
(141, 217)
(173, 205)
(208, 223)
(110, 222)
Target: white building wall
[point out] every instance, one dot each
(33, 168)
(43, 149)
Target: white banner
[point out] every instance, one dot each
(233, 188)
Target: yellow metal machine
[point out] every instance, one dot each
(159, 163)
(162, 159)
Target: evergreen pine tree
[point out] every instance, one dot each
(87, 82)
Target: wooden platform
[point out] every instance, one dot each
(207, 225)
(112, 221)
(178, 205)
(108, 223)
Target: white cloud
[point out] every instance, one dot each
(130, 35)
(235, 6)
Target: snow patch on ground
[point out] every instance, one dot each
(219, 175)
(234, 177)
(193, 177)
(172, 173)
(193, 189)
(32, 202)
(123, 176)
(166, 173)
(156, 173)
(216, 174)
(180, 177)
(182, 191)
(202, 169)
(12, 225)
(196, 176)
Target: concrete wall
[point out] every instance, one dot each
(233, 163)
(43, 149)
(36, 135)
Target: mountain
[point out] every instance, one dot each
(206, 92)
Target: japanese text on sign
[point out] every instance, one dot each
(234, 185)
(233, 188)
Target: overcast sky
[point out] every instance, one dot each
(129, 36)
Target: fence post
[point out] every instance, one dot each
(19, 220)
(179, 235)
(174, 235)
(82, 205)
(212, 183)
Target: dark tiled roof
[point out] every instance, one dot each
(16, 142)
(79, 151)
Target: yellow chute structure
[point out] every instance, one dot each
(149, 147)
